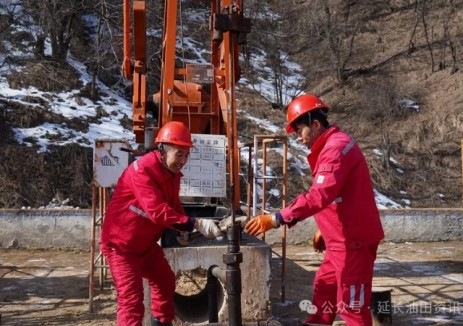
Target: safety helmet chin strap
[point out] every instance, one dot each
(311, 130)
(162, 150)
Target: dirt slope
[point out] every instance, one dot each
(402, 50)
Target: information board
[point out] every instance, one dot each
(200, 73)
(205, 173)
(109, 161)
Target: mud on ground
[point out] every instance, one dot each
(50, 287)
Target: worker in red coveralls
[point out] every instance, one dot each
(145, 202)
(342, 201)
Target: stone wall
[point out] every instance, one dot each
(72, 228)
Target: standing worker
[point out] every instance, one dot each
(342, 201)
(145, 202)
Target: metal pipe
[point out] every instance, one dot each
(233, 258)
(268, 139)
(214, 275)
(283, 229)
(92, 252)
(249, 181)
(254, 173)
(264, 180)
(218, 273)
(212, 286)
(103, 205)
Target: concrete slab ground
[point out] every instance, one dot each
(50, 287)
(426, 280)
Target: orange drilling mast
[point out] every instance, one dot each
(202, 96)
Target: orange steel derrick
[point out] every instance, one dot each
(204, 109)
(136, 69)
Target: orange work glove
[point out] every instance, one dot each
(261, 223)
(318, 242)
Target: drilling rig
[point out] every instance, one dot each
(203, 97)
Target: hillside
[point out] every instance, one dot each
(390, 70)
(404, 106)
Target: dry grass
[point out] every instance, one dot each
(46, 75)
(28, 179)
(424, 144)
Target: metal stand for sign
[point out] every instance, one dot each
(110, 159)
(100, 198)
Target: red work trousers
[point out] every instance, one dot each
(128, 271)
(342, 286)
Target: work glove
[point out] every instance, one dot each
(261, 224)
(318, 242)
(208, 228)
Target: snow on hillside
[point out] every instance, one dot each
(65, 104)
(109, 126)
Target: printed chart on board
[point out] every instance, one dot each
(205, 173)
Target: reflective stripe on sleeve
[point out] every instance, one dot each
(138, 211)
(348, 147)
(362, 295)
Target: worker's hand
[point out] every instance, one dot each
(261, 223)
(208, 228)
(318, 242)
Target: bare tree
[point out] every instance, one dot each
(447, 18)
(57, 21)
(269, 33)
(340, 36)
(422, 8)
(330, 26)
(105, 50)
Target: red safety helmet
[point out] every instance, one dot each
(174, 132)
(301, 105)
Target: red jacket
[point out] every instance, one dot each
(144, 203)
(341, 197)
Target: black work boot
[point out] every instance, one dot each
(157, 322)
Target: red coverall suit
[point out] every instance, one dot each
(342, 201)
(144, 203)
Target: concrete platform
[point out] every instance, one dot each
(191, 264)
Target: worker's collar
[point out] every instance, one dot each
(321, 140)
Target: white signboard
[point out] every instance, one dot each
(109, 161)
(205, 173)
